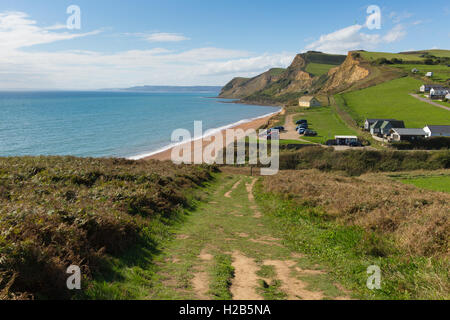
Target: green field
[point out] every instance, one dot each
(441, 72)
(392, 100)
(413, 56)
(326, 122)
(318, 69)
(436, 183)
(372, 56)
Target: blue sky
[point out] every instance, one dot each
(195, 42)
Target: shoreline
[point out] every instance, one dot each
(165, 153)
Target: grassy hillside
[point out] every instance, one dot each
(441, 72)
(62, 211)
(319, 69)
(349, 223)
(392, 100)
(372, 56)
(306, 73)
(326, 122)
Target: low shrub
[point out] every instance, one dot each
(62, 211)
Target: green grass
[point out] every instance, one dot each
(222, 274)
(276, 71)
(348, 251)
(326, 122)
(392, 100)
(436, 183)
(441, 72)
(318, 69)
(371, 56)
(271, 291)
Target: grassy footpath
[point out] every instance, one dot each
(347, 251)
(222, 250)
(392, 100)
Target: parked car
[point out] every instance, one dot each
(280, 128)
(305, 126)
(310, 133)
(302, 121)
(355, 144)
(301, 131)
(332, 142)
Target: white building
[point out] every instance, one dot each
(345, 140)
(437, 131)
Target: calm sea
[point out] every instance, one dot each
(108, 124)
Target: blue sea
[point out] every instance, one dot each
(109, 124)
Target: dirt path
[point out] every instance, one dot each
(429, 101)
(231, 225)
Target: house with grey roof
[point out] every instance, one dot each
(437, 131)
(438, 93)
(386, 127)
(425, 88)
(369, 122)
(402, 134)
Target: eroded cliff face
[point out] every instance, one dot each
(347, 74)
(239, 88)
(298, 78)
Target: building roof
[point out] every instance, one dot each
(394, 123)
(377, 124)
(306, 99)
(439, 129)
(409, 132)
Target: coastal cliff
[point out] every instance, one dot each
(306, 74)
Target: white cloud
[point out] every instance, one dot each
(165, 37)
(353, 38)
(82, 69)
(18, 31)
(398, 17)
(395, 34)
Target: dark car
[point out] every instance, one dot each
(304, 125)
(355, 144)
(302, 121)
(310, 133)
(301, 131)
(280, 129)
(332, 142)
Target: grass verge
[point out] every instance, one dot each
(348, 251)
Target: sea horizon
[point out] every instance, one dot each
(104, 123)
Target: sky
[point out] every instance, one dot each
(196, 42)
